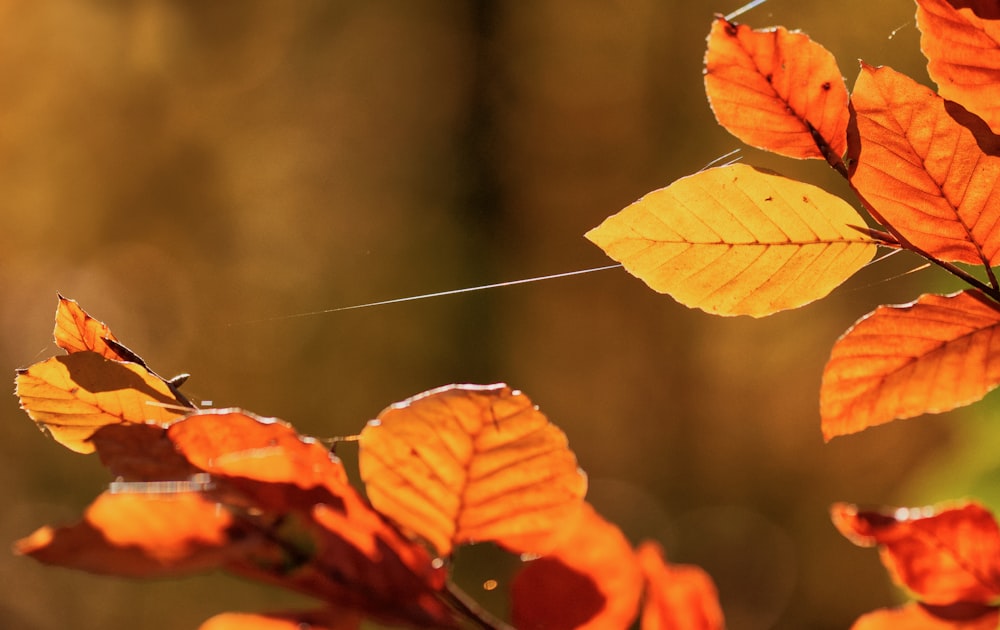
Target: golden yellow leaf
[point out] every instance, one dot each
(737, 240)
(468, 463)
(72, 396)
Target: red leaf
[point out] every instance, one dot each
(945, 556)
(678, 597)
(592, 580)
(929, 356)
(917, 616)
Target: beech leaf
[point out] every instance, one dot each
(140, 535)
(960, 41)
(944, 555)
(777, 90)
(472, 463)
(924, 172)
(72, 396)
(918, 616)
(325, 619)
(76, 331)
(929, 356)
(590, 581)
(737, 240)
(677, 597)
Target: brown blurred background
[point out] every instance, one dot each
(186, 169)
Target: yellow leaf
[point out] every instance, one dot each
(468, 463)
(72, 396)
(737, 240)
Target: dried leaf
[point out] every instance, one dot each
(917, 616)
(678, 597)
(929, 356)
(922, 171)
(777, 91)
(960, 41)
(468, 463)
(140, 535)
(591, 581)
(72, 396)
(945, 556)
(737, 240)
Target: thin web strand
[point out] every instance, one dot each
(746, 7)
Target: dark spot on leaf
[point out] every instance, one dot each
(731, 29)
(768, 198)
(768, 77)
(826, 86)
(805, 199)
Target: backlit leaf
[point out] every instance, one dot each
(469, 463)
(922, 171)
(945, 555)
(140, 535)
(327, 619)
(72, 396)
(737, 240)
(76, 331)
(677, 596)
(592, 580)
(917, 616)
(928, 356)
(961, 41)
(777, 90)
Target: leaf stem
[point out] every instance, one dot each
(470, 608)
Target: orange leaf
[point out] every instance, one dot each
(678, 597)
(72, 396)
(945, 556)
(917, 616)
(777, 91)
(470, 463)
(960, 41)
(76, 331)
(923, 172)
(326, 619)
(292, 488)
(140, 535)
(928, 356)
(140, 452)
(591, 580)
(737, 240)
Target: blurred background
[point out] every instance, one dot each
(189, 170)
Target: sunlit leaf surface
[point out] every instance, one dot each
(944, 555)
(71, 396)
(737, 240)
(925, 172)
(76, 331)
(961, 40)
(677, 596)
(591, 581)
(311, 620)
(777, 90)
(470, 463)
(929, 356)
(917, 616)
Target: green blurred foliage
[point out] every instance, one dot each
(188, 170)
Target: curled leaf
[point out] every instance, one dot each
(677, 597)
(777, 90)
(468, 463)
(945, 556)
(960, 41)
(929, 356)
(924, 172)
(590, 581)
(72, 396)
(736, 240)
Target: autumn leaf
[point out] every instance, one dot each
(922, 172)
(944, 555)
(140, 452)
(960, 41)
(918, 616)
(469, 463)
(928, 356)
(677, 597)
(141, 535)
(737, 240)
(591, 581)
(326, 619)
(72, 396)
(76, 331)
(777, 91)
